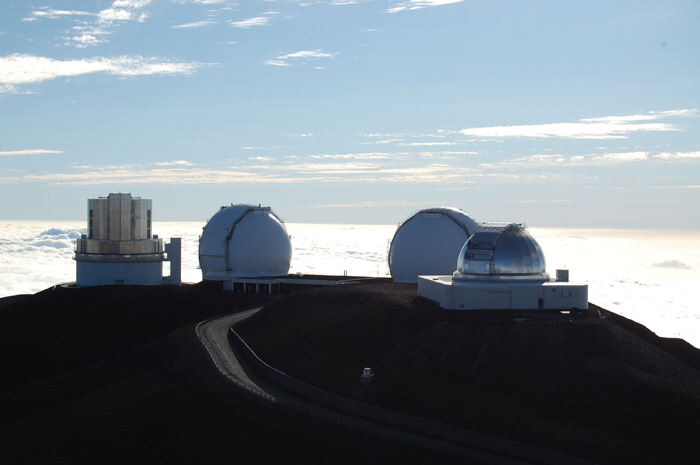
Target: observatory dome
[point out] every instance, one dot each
(501, 251)
(244, 241)
(428, 242)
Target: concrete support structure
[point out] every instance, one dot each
(173, 254)
(481, 295)
(119, 247)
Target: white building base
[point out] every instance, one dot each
(502, 295)
(109, 272)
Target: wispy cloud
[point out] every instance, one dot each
(174, 163)
(652, 115)
(306, 54)
(250, 22)
(55, 14)
(91, 32)
(446, 153)
(554, 160)
(272, 147)
(678, 265)
(28, 69)
(373, 203)
(608, 127)
(292, 171)
(419, 144)
(538, 201)
(678, 155)
(360, 156)
(418, 4)
(383, 141)
(622, 157)
(139, 175)
(30, 152)
(203, 2)
(675, 187)
(195, 25)
(303, 56)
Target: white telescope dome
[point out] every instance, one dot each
(244, 241)
(501, 251)
(428, 242)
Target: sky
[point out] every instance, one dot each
(554, 113)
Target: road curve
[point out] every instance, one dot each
(213, 334)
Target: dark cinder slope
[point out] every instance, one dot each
(61, 329)
(601, 389)
(117, 374)
(96, 376)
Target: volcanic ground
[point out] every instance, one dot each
(114, 374)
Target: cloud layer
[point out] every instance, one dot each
(407, 158)
(615, 264)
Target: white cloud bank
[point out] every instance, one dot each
(638, 274)
(20, 69)
(608, 127)
(36, 256)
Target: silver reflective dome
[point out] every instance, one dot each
(501, 251)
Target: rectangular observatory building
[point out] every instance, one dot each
(119, 247)
(502, 267)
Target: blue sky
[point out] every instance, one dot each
(554, 113)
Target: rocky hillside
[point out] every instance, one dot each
(595, 386)
(115, 375)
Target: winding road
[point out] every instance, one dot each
(213, 334)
